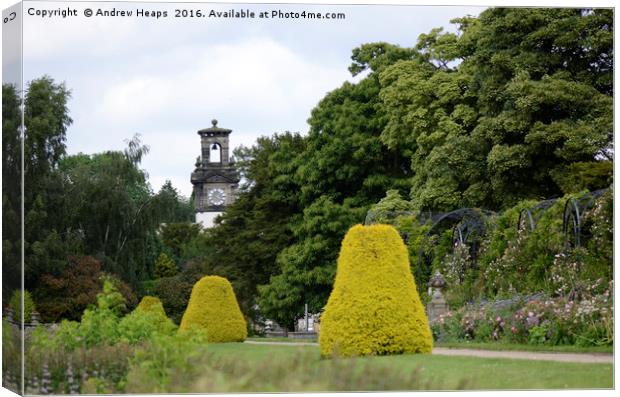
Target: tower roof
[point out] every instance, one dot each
(214, 130)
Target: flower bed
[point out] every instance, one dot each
(559, 320)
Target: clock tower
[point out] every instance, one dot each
(215, 178)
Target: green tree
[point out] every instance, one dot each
(46, 118)
(579, 176)
(165, 267)
(174, 207)
(46, 239)
(490, 113)
(115, 210)
(174, 293)
(16, 306)
(110, 297)
(176, 236)
(213, 307)
(11, 191)
(345, 157)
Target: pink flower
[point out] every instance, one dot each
(514, 330)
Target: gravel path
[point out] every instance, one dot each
(598, 358)
(605, 358)
(256, 342)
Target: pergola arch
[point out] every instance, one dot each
(576, 211)
(529, 217)
(468, 226)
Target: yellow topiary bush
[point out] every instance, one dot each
(151, 304)
(147, 320)
(374, 307)
(213, 306)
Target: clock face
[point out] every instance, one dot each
(216, 196)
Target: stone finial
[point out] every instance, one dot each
(437, 281)
(214, 122)
(437, 306)
(35, 318)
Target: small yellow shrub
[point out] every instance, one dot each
(151, 304)
(374, 307)
(213, 306)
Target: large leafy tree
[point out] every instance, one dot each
(345, 157)
(174, 206)
(496, 112)
(11, 190)
(46, 119)
(48, 237)
(501, 110)
(114, 209)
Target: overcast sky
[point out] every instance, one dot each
(167, 78)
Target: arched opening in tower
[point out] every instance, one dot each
(215, 153)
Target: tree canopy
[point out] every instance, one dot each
(500, 110)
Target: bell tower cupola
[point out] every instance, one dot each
(214, 143)
(215, 177)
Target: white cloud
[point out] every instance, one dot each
(171, 157)
(136, 98)
(255, 76)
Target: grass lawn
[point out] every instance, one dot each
(432, 372)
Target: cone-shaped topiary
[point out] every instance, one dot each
(374, 307)
(213, 306)
(151, 304)
(149, 318)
